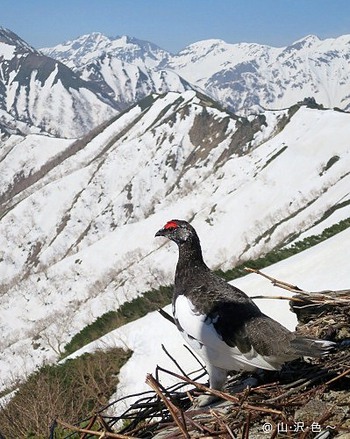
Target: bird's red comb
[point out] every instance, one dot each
(171, 225)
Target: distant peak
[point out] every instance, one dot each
(307, 41)
(9, 37)
(94, 37)
(207, 43)
(124, 38)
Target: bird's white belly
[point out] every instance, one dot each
(221, 358)
(199, 332)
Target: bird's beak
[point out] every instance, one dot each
(160, 232)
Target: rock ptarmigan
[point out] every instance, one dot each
(221, 323)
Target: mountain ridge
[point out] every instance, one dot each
(247, 77)
(71, 88)
(39, 91)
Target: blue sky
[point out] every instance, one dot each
(173, 24)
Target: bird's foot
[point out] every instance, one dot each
(205, 400)
(243, 384)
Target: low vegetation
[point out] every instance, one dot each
(70, 391)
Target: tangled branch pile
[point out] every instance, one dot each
(304, 400)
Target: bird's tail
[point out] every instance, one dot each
(309, 347)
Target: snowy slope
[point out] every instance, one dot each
(78, 218)
(40, 91)
(69, 89)
(85, 49)
(125, 68)
(243, 77)
(127, 83)
(324, 266)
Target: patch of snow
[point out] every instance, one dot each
(7, 51)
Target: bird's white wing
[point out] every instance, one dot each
(200, 333)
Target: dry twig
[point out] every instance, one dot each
(335, 297)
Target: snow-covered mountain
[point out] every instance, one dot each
(87, 48)
(73, 87)
(36, 90)
(78, 217)
(243, 77)
(127, 69)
